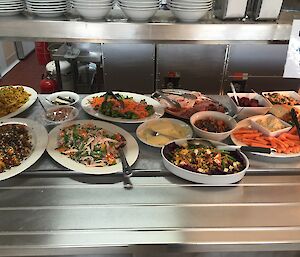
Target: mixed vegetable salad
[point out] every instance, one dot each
(276, 98)
(202, 159)
(90, 145)
(122, 107)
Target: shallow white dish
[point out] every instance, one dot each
(231, 123)
(204, 178)
(292, 94)
(131, 150)
(267, 132)
(143, 126)
(158, 108)
(73, 115)
(247, 123)
(245, 112)
(39, 141)
(31, 101)
(73, 95)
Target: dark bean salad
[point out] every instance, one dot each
(15, 145)
(206, 160)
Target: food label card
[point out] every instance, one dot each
(292, 66)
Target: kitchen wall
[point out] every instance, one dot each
(8, 56)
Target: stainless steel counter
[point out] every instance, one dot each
(48, 210)
(163, 28)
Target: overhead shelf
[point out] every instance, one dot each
(163, 28)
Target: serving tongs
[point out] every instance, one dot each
(115, 96)
(127, 170)
(295, 120)
(159, 94)
(208, 143)
(184, 95)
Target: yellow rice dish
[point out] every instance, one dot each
(11, 99)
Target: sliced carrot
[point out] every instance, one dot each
(292, 137)
(293, 130)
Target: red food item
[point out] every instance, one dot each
(191, 106)
(212, 125)
(247, 102)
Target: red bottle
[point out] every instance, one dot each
(42, 53)
(47, 85)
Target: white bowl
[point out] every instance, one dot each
(188, 15)
(139, 14)
(267, 132)
(203, 178)
(245, 112)
(144, 126)
(94, 13)
(215, 115)
(70, 94)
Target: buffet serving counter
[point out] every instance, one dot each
(48, 210)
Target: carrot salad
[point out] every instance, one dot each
(130, 109)
(285, 143)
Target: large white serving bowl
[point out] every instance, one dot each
(203, 178)
(215, 115)
(245, 112)
(139, 14)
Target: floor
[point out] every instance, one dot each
(27, 72)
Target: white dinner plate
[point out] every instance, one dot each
(131, 150)
(31, 101)
(39, 142)
(247, 123)
(158, 108)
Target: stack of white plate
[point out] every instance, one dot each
(47, 8)
(139, 10)
(189, 10)
(12, 7)
(93, 9)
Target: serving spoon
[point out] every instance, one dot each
(127, 170)
(234, 94)
(159, 94)
(208, 143)
(184, 95)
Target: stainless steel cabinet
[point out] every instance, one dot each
(200, 66)
(265, 65)
(129, 67)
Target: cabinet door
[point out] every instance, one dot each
(129, 67)
(200, 66)
(264, 64)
